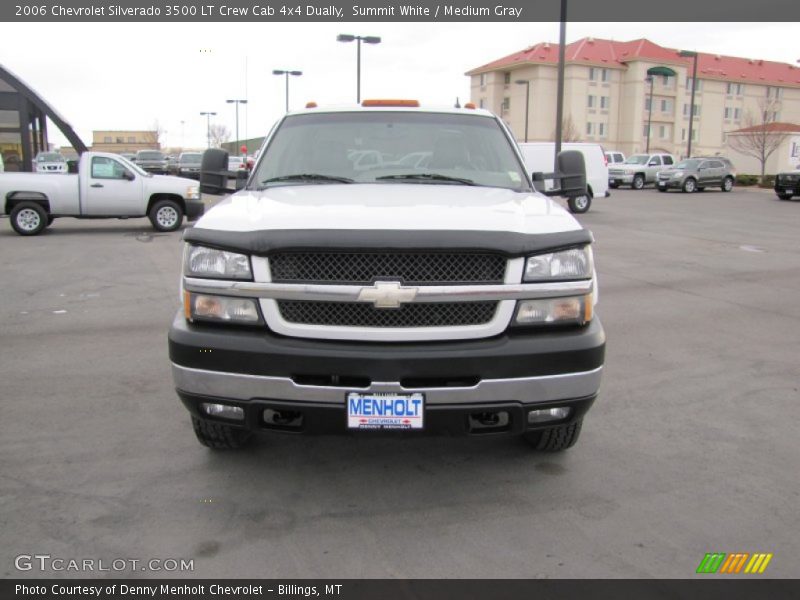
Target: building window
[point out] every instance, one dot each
(601, 129)
(481, 102)
(506, 78)
(506, 104)
(666, 106)
(131, 139)
(735, 89)
(604, 75)
(589, 128)
(773, 92)
(698, 85)
(120, 140)
(107, 139)
(775, 116)
(694, 135)
(647, 102)
(666, 81)
(727, 113)
(483, 79)
(645, 131)
(605, 101)
(663, 132)
(737, 113)
(695, 112)
(590, 101)
(596, 74)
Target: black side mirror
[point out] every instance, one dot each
(214, 172)
(241, 179)
(572, 168)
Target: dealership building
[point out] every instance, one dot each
(24, 117)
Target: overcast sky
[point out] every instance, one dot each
(130, 75)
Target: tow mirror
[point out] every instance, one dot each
(214, 172)
(571, 176)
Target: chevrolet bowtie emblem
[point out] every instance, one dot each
(387, 294)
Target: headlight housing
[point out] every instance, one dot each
(676, 174)
(564, 265)
(573, 310)
(200, 261)
(192, 192)
(225, 309)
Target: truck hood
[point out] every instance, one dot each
(389, 206)
(171, 183)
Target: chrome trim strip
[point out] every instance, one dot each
(528, 390)
(352, 293)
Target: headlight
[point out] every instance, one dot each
(200, 261)
(192, 192)
(677, 174)
(203, 307)
(575, 263)
(575, 310)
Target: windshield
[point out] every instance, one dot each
(390, 147)
(637, 159)
(149, 156)
(190, 159)
(50, 157)
(688, 164)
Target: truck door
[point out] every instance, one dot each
(112, 189)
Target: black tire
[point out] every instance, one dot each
(218, 436)
(701, 189)
(50, 219)
(690, 185)
(638, 182)
(727, 184)
(555, 439)
(166, 215)
(28, 218)
(580, 204)
(613, 186)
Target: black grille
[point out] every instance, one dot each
(368, 267)
(788, 178)
(357, 314)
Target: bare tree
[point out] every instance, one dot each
(762, 136)
(218, 134)
(569, 133)
(155, 134)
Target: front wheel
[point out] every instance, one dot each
(689, 186)
(219, 436)
(28, 218)
(555, 439)
(638, 182)
(166, 215)
(579, 204)
(727, 184)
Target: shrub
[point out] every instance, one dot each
(769, 181)
(745, 180)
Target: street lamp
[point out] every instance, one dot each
(367, 39)
(691, 54)
(208, 116)
(287, 73)
(237, 103)
(527, 85)
(649, 79)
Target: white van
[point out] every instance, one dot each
(540, 157)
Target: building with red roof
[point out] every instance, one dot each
(609, 99)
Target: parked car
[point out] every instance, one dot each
(50, 162)
(539, 157)
(188, 165)
(237, 163)
(614, 158)
(696, 174)
(131, 156)
(106, 186)
(639, 170)
(152, 161)
(787, 184)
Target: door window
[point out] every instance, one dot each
(107, 168)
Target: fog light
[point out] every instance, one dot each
(548, 414)
(222, 410)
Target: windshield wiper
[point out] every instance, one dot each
(425, 177)
(307, 177)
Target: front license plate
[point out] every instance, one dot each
(788, 192)
(385, 411)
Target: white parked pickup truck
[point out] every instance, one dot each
(443, 295)
(106, 186)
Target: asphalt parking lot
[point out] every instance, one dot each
(691, 448)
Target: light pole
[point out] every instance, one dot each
(691, 54)
(208, 116)
(649, 79)
(367, 39)
(527, 85)
(562, 41)
(287, 73)
(237, 103)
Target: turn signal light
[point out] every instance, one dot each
(311, 105)
(469, 105)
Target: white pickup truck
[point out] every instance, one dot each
(106, 186)
(444, 296)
